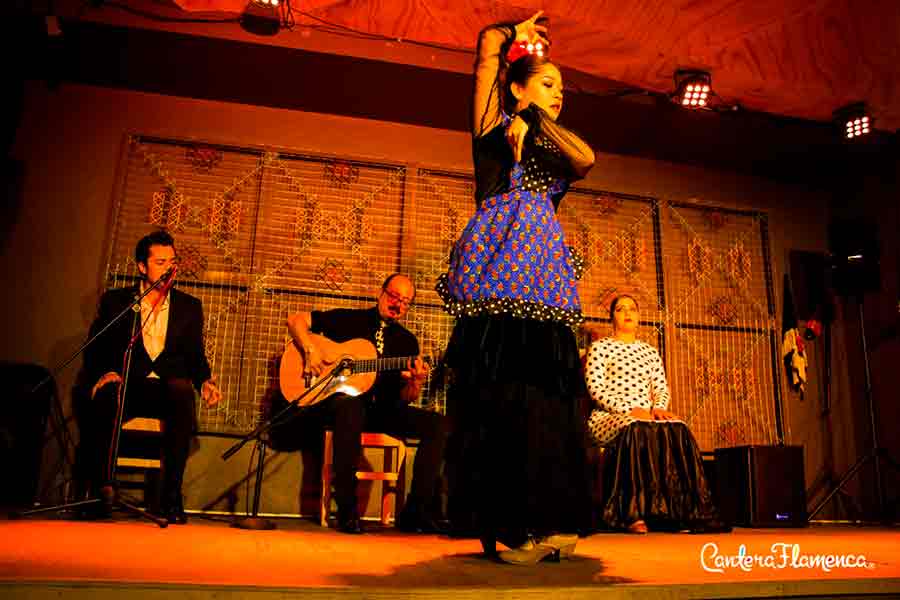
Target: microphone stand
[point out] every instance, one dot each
(254, 521)
(111, 500)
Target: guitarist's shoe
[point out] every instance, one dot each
(349, 523)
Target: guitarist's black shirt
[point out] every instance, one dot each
(344, 324)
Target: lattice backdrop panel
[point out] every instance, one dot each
(263, 234)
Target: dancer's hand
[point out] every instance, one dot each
(530, 32)
(515, 137)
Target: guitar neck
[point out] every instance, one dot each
(393, 363)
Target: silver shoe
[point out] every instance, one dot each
(529, 553)
(562, 543)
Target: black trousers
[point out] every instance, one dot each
(171, 401)
(348, 417)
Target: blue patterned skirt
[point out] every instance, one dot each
(512, 258)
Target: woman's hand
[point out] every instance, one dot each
(530, 32)
(515, 137)
(640, 413)
(661, 414)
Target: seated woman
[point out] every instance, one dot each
(654, 474)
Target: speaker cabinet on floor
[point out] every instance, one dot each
(761, 486)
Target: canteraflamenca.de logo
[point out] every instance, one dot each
(781, 556)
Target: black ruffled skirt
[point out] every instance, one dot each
(516, 456)
(654, 472)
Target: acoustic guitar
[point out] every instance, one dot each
(355, 364)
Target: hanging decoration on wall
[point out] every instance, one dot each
(632, 252)
(191, 264)
(730, 434)
(203, 159)
(168, 209)
(450, 229)
(309, 222)
(333, 274)
(742, 382)
(357, 230)
(715, 219)
(585, 244)
(739, 265)
(707, 379)
(224, 217)
(724, 310)
(341, 174)
(606, 204)
(699, 258)
(443, 204)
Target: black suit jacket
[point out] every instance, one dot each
(183, 355)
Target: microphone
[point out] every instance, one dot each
(167, 276)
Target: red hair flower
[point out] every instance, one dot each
(521, 49)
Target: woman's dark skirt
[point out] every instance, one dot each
(516, 455)
(654, 472)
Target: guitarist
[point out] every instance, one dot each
(384, 408)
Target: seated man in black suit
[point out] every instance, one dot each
(384, 408)
(168, 362)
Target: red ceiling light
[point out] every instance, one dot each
(692, 89)
(854, 120)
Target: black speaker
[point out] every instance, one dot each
(811, 285)
(761, 486)
(855, 256)
(23, 421)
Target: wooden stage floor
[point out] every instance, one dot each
(206, 559)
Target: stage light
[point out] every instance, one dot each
(261, 17)
(854, 120)
(692, 89)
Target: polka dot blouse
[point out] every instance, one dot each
(621, 376)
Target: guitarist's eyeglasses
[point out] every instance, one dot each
(398, 298)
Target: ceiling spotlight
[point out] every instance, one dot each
(853, 120)
(692, 88)
(261, 17)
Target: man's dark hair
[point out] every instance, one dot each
(157, 238)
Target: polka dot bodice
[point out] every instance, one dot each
(621, 376)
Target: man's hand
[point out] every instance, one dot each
(414, 376)
(661, 414)
(110, 377)
(313, 361)
(417, 371)
(210, 393)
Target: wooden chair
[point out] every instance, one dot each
(139, 449)
(391, 474)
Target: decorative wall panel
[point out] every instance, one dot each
(262, 234)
